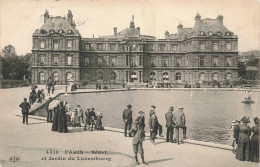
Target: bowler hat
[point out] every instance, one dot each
(171, 108)
(153, 106)
(129, 105)
(140, 112)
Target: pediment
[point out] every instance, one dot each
(215, 36)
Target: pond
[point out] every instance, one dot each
(208, 113)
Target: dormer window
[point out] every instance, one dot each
(60, 31)
(69, 31)
(201, 33)
(51, 31)
(210, 33)
(219, 33)
(43, 31)
(227, 33)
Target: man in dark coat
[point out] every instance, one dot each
(25, 110)
(93, 118)
(140, 120)
(49, 112)
(152, 111)
(153, 125)
(127, 118)
(169, 125)
(180, 122)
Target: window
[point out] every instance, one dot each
(60, 31)
(219, 33)
(165, 76)
(165, 62)
(201, 33)
(150, 47)
(228, 77)
(86, 61)
(228, 61)
(69, 31)
(228, 46)
(56, 76)
(69, 44)
(55, 60)
(133, 61)
(202, 47)
(152, 76)
(153, 61)
(87, 47)
(140, 60)
(210, 33)
(69, 76)
(42, 78)
(161, 47)
(215, 61)
(113, 62)
(112, 47)
(42, 43)
(174, 47)
(42, 60)
(99, 46)
(215, 46)
(55, 44)
(178, 62)
(227, 33)
(215, 76)
(51, 31)
(178, 76)
(99, 61)
(69, 60)
(202, 76)
(113, 76)
(100, 76)
(201, 61)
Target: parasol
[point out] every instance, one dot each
(53, 104)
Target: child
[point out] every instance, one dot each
(99, 121)
(235, 129)
(74, 114)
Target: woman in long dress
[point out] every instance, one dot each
(255, 141)
(55, 119)
(243, 147)
(62, 121)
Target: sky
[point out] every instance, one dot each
(20, 18)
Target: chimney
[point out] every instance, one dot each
(180, 26)
(166, 34)
(220, 19)
(115, 31)
(138, 29)
(46, 16)
(197, 18)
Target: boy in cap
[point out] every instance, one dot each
(138, 143)
(127, 118)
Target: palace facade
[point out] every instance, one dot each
(204, 53)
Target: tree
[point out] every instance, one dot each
(9, 51)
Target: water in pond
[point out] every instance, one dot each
(208, 113)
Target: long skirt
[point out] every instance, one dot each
(62, 123)
(55, 123)
(242, 152)
(255, 151)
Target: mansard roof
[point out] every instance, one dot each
(56, 24)
(210, 25)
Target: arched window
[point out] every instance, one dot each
(56, 76)
(42, 77)
(165, 76)
(100, 76)
(178, 76)
(228, 76)
(152, 76)
(215, 76)
(113, 76)
(69, 76)
(202, 76)
(133, 75)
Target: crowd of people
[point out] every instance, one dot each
(64, 117)
(136, 128)
(39, 96)
(245, 139)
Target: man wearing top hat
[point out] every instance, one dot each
(180, 121)
(152, 111)
(127, 118)
(169, 124)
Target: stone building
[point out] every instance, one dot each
(204, 53)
